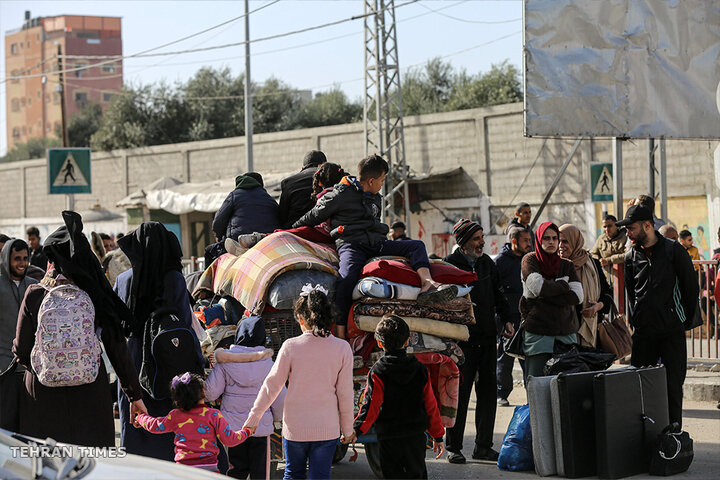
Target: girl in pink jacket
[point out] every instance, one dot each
(319, 401)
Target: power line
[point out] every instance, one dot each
(465, 20)
(142, 53)
(216, 47)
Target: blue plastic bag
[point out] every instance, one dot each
(516, 454)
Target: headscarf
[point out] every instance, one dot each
(69, 251)
(588, 275)
(153, 251)
(549, 263)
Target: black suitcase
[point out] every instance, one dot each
(574, 392)
(631, 409)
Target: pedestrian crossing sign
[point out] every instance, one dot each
(69, 170)
(601, 182)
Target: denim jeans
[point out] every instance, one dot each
(319, 455)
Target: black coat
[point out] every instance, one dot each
(246, 210)
(508, 265)
(487, 295)
(662, 290)
(354, 214)
(296, 196)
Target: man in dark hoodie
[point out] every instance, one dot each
(247, 209)
(296, 190)
(523, 215)
(13, 283)
(508, 264)
(481, 348)
(399, 400)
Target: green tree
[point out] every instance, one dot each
(126, 122)
(329, 108)
(275, 107)
(223, 114)
(83, 125)
(33, 148)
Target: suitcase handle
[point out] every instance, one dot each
(679, 447)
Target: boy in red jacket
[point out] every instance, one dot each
(399, 400)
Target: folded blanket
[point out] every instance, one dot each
(424, 343)
(445, 380)
(457, 311)
(423, 325)
(275, 254)
(218, 277)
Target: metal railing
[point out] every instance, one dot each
(193, 264)
(702, 342)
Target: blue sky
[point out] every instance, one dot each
(334, 56)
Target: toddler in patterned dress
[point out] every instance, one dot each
(197, 427)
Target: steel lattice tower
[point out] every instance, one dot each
(383, 112)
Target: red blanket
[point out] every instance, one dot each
(445, 380)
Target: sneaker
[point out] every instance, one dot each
(456, 457)
(234, 248)
(503, 402)
(249, 240)
(485, 454)
(441, 294)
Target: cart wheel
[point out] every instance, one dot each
(372, 452)
(340, 452)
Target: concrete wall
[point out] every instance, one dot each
(501, 164)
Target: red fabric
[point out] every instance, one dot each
(444, 377)
(717, 288)
(352, 328)
(310, 234)
(549, 263)
(375, 390)
(401, 272)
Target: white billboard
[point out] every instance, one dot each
(622, 68)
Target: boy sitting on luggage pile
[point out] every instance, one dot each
(353, 209)
(399, 400)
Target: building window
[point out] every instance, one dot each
(15, 73)
(14, 49)
(22, 102)
(29, 102)
(80, 73)
(108, 68)
(81, 97)
(39, 94)
(107, 97)
(15, 105)
(16, 132)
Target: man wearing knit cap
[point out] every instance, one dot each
(480, 349)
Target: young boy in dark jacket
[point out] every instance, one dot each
(399, 400)
(353, 209)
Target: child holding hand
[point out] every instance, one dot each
(319, 402)
(197, 427)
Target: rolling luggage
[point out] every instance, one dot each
(631, 409)
(574, 424)
(541, 425)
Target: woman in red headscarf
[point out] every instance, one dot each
(551, 290)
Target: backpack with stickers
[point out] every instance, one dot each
(67, 351)
(168, 350)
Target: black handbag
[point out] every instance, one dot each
(673, 452)
(514, 345)
(696, 320)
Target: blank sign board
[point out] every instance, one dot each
(622, 68)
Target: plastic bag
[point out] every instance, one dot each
(572, 358)
(516, 454)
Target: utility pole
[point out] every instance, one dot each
(63, 125)
(248, 98)
(383, 100)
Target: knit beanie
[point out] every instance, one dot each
(464, 230)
